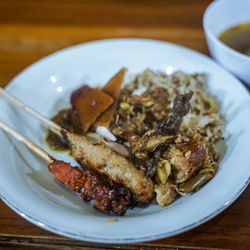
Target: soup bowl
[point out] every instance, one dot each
(218, 17)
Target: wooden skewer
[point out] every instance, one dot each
(45, 121)
(48, 123)
(27, 142)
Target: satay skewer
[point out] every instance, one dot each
(86, 182)
(97, 156)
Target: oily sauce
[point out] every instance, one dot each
(64, 119)
(238, 38)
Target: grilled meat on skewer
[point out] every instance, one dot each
(99, 157)
(108, 196)
(116, 167)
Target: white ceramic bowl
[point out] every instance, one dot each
(219, 16)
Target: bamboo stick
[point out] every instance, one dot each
(45, 121)
(27, 142)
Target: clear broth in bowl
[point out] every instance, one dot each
(238, 38)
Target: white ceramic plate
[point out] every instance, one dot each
(29, 189)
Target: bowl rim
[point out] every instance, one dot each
(214, 38)
(124, 240)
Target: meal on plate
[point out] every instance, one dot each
(152, 136)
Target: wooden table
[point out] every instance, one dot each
(30, 30)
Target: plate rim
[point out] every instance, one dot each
(124, 240)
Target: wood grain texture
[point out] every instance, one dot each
(140, 13)
(22, 44)
(30, 30)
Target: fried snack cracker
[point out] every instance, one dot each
(87, 104)
(112, 88)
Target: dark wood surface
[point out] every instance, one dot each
(31, 29)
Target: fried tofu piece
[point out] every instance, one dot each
(87, 104)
